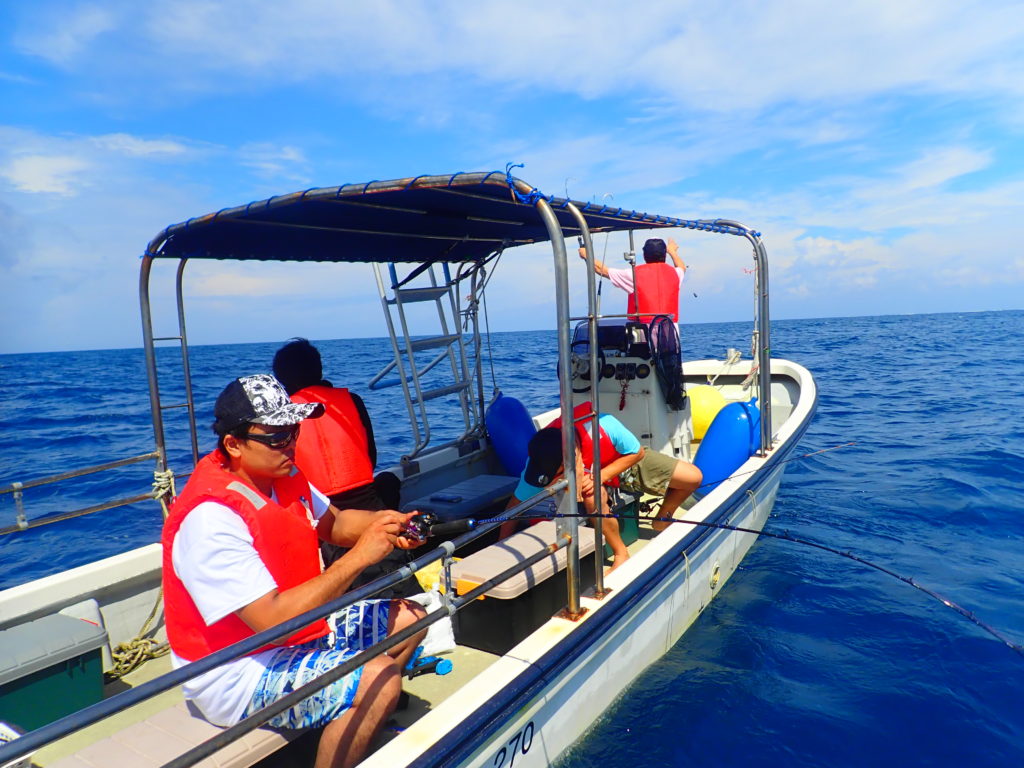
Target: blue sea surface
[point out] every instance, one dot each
(805, 658)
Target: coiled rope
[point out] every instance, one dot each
(130, 655)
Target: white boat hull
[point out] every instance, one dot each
(656, 596)
(557, 718)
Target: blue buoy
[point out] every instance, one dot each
(510, 428)
(733, 437)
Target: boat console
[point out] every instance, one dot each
(639, 380)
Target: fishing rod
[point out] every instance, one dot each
(784, 461)
(786, 536)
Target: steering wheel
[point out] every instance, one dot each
(579, 364)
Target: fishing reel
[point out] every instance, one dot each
(424, 525)
(420, 524)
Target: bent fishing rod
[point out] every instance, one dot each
(786, 536)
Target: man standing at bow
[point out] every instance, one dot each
(657, 284)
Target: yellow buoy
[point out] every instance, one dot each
(705, 403)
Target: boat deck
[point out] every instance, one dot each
(424, 694)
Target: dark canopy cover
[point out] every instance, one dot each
(460, 217)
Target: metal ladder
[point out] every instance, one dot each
(447, 342)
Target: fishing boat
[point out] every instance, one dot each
(545, 639)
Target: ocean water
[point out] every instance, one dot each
(805, 658)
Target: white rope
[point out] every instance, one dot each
(130, 655)
(163, 489)
(732, 356)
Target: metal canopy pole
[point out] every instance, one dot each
(631, 258)
(185, 369)
(763, 320)
(764, 352)
(148, 346)
(567, 523)
(595, 379)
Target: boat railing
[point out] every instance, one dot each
(17, 489)
(451, 604)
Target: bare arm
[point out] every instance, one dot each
(344, 527)
(673, 250)
(620, 465)
(379, 538)
(599, 267)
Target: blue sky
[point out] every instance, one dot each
(877, 146)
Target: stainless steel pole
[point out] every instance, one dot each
(631, 258)
(185, 369)
(595, 379)
(763, 320)
(569, 524)
(151, 375)
(764, 353)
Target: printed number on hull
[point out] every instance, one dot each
(518, 745)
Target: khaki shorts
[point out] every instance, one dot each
(650, 475)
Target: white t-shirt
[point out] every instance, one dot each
(623, 278)
(214, 556)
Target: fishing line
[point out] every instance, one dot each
(786, 536)
(784, 461)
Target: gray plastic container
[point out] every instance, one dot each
(49, 668)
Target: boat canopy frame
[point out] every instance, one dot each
(462, 218)
(545, 218)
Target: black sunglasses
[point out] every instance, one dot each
(275, 440)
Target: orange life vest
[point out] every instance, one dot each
(334, 450)
(282, 534)
(586, 443)
(657, 285)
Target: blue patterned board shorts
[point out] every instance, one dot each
(352, 630)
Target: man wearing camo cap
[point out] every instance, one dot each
(241, 555)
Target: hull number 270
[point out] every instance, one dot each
(518, 745)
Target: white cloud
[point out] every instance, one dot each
(67, 34)
(12, 78)
(794, 118)
(742, 57)
(39, 163)
(132, 146)
(282, 162)
(938, 166)
(53, 174)
(273, 279)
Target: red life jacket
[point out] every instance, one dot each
(658, 288)
(586, 443)
(334, 450)
(282, 534)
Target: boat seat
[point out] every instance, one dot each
(169, 733)
(466, 498)
(510, 611)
